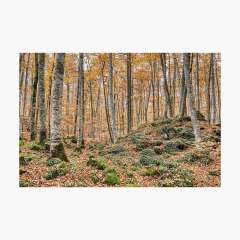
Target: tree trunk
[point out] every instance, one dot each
(111, 94)
(195, 123)
(197, 83)
(56, 146)
(42, 107)
(80, 141)
(33, 101)
(168, 104)
(129, 93)
(213, 96)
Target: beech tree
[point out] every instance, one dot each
(42, 107)
(195, 123)
(56, 145)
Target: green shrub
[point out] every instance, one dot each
(35, 147)
(174, 146)
(148, 152)
(21, 142)
(117, 149)
(24, 183)
(202, 156)
(155, 171)
(110, 170)
(23, 160)
(94, 178)
(147, 160)
(53, 161)
(57, 171)
(187, 133)
(99, 163)
(112, 179)
(157, 150)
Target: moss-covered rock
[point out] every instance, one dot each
(112, 179)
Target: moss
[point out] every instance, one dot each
(200, 156)
(112, 179)
(110, 170)
(59, 152)
(35, 147)
(187, 134)
(167, 132)
(24, 183)
(53, 161)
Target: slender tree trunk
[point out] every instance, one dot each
(42, 107)
(208, 94)
(80, 142)
(213, 96)
(129, 93)
(67, 108)
(25, 90)
(111, 94)
(183, 94)
(218, 93)
(49, 96)
(56, 146)
(33, 101)
(197, 83)
(195, 123)
(168, 104)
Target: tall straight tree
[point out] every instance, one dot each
(195, 123)
(80, 141)
(33, 100)
(111, 94)
(168, 103)
(212, 93)
(129, 92)
(41, 91)
(56, 145)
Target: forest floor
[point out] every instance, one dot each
(158, 154)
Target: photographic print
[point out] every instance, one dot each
(120, 119)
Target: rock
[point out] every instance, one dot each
(157, 150)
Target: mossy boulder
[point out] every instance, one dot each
(112, 179)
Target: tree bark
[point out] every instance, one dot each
(42, 107)
(33, 101)
(168, 104)
(129, 93)
(56, 146)
(80, 141)
(195, 123)
(111, 94)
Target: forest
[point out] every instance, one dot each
(120, 119)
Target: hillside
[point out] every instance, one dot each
(161, 153)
